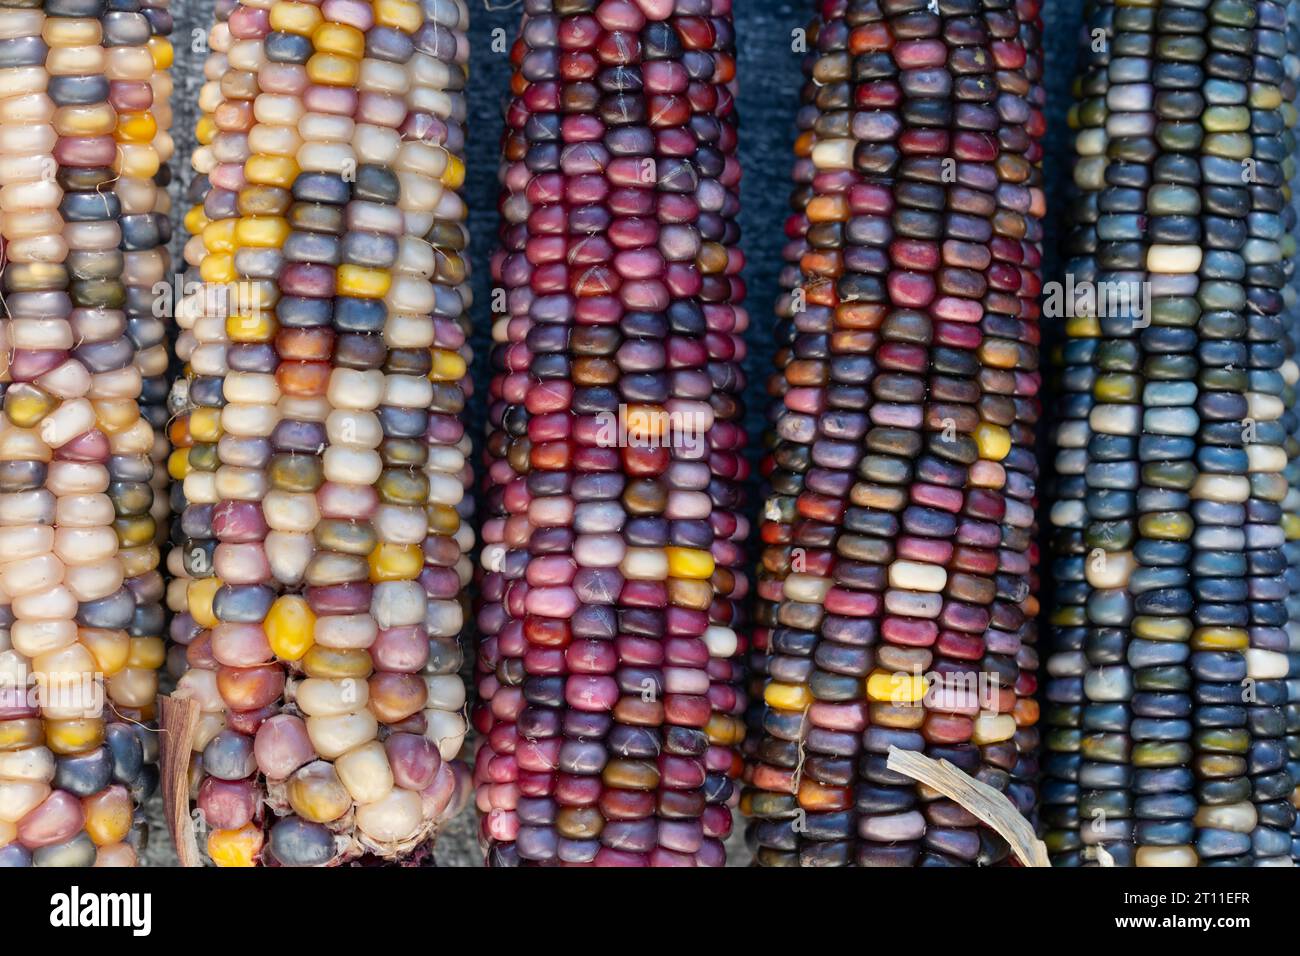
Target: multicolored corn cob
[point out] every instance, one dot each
(608, 670)
(79, 583)
(1170, 639)
(896, 585)
(324, 461)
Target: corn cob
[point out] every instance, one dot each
(1170, 624)
(608, 631)
(902, 476)
(323, 635)
(79, 574)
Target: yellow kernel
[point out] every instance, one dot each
(900, 688)
(401, 14)
(178, 464)
(108, 815)
(453, 177)
(299, 18)
(994, 441)
(110, 648)
(339, 38)
(362, 282)
(262, 232)
(219, 268)
(147, 653)
(27, 406)
(443, 519)
(219, 236)
(724, 730)
(160, 48)
(1220, 639)
(335, 663)
(198, 598)
(289, 627)
(787, 696)
(330, 69)
(205, 424)
(21, 733)
(689, 563)
(262, 170)
(447, 366)
(116, 416)
(205, 130)
(235, 847)
(137, 127)
(140, 559)
(396, 562)
(251, 328)
(316, 793)
(1083, 327)
(76, 736)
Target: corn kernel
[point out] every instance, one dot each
(235, 847)
(289, 626)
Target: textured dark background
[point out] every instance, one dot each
(769, 78)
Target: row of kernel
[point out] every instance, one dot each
(988, 606)
(151, 294)
(1067, 489)
(1221, 496)
(1115, 426)
(1162, 803)
(1291, 420)
(139, 85)
(810, 661)
(214, 308)
(1266, 252)
(194, 429)
(722, 293)
(1022, 788)
(770, 809)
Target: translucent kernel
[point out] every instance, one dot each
(235, 847)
